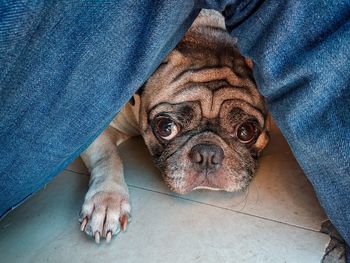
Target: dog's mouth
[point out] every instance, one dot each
(187, 185)
(207, 162)
(193, 187)
(207, 185)
(212, 182)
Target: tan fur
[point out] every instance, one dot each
(206, 87)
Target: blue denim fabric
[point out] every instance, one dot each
(67, 68)
(301, 51)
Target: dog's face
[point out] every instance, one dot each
(202, 117)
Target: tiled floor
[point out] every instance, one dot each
(276, 220)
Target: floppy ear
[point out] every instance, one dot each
(137, 93)
(264, 137)
(249, 63)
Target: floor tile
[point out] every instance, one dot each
(280, 191)
(164, 229)
(78, 166)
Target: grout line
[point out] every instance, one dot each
(224, 208)
(211, 205)
(69, 170)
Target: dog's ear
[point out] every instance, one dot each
(264, 136)
(249, 63)
(132, 101)
(138, 92)
(268, 123)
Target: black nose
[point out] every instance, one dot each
(207, 156)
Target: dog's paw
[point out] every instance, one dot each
(104, 214)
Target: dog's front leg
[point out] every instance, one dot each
(106, 208)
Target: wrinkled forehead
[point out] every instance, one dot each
(210, 92)
(210, 80)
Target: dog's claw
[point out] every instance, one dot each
(104, 215)
(83, 224)
(123, 222)
(97, 237)
(108, 236)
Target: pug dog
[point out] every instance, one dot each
(201, 117)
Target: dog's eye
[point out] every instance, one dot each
(166, 128)
(246, 132)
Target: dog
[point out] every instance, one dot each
(201, 117)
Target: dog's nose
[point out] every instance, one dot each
(207, 156)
